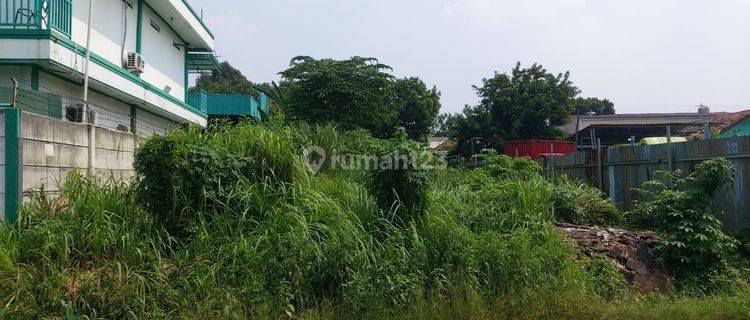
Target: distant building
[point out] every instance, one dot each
(725, 125)
(434, 142)
(616, 129)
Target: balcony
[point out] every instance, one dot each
(229, 105)
(36, 14)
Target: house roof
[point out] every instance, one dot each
(447, 145)
(716, 123)
(434, 142)
(581, 122)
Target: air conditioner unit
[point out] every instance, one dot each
(135, 63)
(74, 113)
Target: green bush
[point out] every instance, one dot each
(399, 183)
(580, 204)
(503, 166)
(184, 172)
(680, 208)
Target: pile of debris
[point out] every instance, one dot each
(631, 251)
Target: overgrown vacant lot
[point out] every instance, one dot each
(230, 223)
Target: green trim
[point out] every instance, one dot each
(35, 77)
(199, 19)
(53, 36)
(139, 27)
(24, 33)
(12, 164)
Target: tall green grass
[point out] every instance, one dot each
(273, 240)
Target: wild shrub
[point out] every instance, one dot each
(399, 183)
(680, 208)
(503, 166)
(580, 204)
(186, 173)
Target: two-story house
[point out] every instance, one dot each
(141, 55)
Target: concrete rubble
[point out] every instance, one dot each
(633, 252)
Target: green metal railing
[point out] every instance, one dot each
(198, 99)
(60, 15)
(37, 14)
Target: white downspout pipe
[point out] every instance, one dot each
(86, 107)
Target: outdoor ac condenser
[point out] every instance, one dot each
(135, 63)
(74, 113)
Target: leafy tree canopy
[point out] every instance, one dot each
(357, 93)
(593, 105)
(444, 125)
(528, 103)
(418, 106)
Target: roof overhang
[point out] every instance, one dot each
(184, 20)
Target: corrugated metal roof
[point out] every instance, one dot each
(577, 123)
(716, 123)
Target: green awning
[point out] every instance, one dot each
(202, 62)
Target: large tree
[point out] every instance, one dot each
(417, 105)
(593, 105)
(357, 93)
(444, 125)
(528, 103)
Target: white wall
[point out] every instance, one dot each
(107, 28)
(165, 63)
(111, 113)
(149, 124)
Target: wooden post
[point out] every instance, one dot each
(707, 131)
(599, 164)
(670, 159)
(552, 159)
(13, 99)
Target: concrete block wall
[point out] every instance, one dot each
(115, 152)
(52, 148)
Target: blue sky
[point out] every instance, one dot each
(645, 55)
